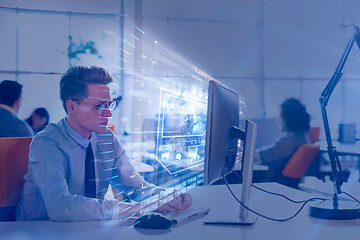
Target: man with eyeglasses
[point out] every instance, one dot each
(72, 162)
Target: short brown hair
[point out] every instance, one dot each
(74, 83)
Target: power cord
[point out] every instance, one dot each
(283, 196)
(276, 194)
(347, 194)
(268, 192)
(263, 216)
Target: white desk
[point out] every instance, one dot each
(342, 148)
(221, 203)
(327, 189)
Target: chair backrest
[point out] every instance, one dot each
(313, 134)
(14, 157)
(300, 161)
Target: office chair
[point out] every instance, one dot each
(295, 169)
(14, 157)
(313, 134)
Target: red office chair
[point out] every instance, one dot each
(313, 134)
(14, 157)
(295, 169)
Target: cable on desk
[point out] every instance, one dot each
(273, 193)
(261, 215)
(347, 194)
(283, 196)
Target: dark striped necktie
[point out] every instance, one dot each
(90, 184)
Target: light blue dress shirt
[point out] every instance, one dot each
(54, 184)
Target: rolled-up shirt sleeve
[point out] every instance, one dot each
(48, 164)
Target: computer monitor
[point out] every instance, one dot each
(222, 138)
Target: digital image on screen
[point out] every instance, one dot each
(181, 132)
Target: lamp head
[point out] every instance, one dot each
(357, 35)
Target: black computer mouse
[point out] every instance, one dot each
(154, 221)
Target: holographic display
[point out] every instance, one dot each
(181, 133)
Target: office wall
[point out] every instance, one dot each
(35, 40)
(266, 50)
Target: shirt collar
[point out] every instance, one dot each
(75, 135)
(10, 109)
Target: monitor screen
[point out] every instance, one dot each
(221, 148)
(223, 114)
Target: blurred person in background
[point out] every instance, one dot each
(10, 102)
(38, 120)
(294, 122)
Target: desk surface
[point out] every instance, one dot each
(221, 203)
(352, 186)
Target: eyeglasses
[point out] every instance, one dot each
(111, 106)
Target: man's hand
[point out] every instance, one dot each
(178, 204)
(128, 209)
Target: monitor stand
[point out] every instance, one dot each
(248, 221)
(244, 219)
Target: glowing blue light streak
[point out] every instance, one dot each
(121, 59)
(110, 160)
(111, 83)
(105, 189)
(129, 44)
(134, 224)
(117, 67)
(109, 169)
(130, 217)
(106, 152)
(121, 201)
(118, 193)
(105, 143)
(116, 185)
(125, 209)
(139, 29)
(105, 134)
(125, 51)
(134, 37)
(111, 92)
(115, 75)
(113, 177)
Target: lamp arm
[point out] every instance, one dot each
(324, 98)
(326, 93)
